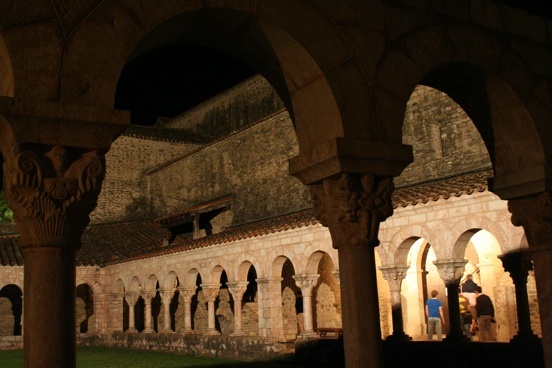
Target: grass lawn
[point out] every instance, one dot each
(97, 357)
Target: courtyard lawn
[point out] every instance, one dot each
(97, 357)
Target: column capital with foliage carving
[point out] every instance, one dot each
(54, 165)
(306, 283)
(211, 291)
(352, 207)
(518, 264)
(237, 289)
(534, 214)
(451, 270)
(394, 275)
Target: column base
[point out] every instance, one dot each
(400, 337)
(456, 338)
(148, 330)
(168, 331)
(131, 330)
(211, 333)
(525, 339)
(238, 333)
(307, 335)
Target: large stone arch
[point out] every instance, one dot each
(487, 75)
(267, 36)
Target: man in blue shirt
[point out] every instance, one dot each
(435, 316)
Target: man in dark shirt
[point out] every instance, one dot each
(485, 315)
(468, 289)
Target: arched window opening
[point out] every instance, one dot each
(84, 310)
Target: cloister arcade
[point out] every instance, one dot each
(222, 290)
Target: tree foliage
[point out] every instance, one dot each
(5, 213)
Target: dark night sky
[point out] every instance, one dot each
(167, 81)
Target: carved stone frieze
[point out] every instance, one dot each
(52, 192)
(352, 207)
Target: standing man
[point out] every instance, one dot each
(468, 289)
(485, 315)
(435, 316)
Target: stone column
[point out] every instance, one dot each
(54, 166)
(51, 193)
(269, 295)
(131, 298)
(352, 207)
(394, 276)
(518, 264)
(535, 215)
(187, 294)
(148, 322)
(451, 271)
(306, 283)
(166, 297)
(237, 289)
(211, 292)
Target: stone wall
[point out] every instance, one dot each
(232, 110)
(6, 317)
(243, 348)
(124, 190)
(443, 137)
(251, 166)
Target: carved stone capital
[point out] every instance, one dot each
(394, 276)
(148, 295)
(52, 191)
(306, 283)
(167, 295)
(211, 291)
(187, 292)
(534, 214)
(352, 207)
(451, 270)
(237, 289)
(518, 264)
(132, 297)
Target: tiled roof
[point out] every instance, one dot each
(263, 227)
(10, 253)
(123, 242)
(167, 134)
(100, 243)
(445, 188)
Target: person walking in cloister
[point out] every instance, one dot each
(435, 316)
(485, 316)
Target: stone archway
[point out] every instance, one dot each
(11, 309)
(85, 313)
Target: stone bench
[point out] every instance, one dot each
(334, 332)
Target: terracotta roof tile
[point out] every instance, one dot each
(100, 243)
(445, 188)
(122, 242)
